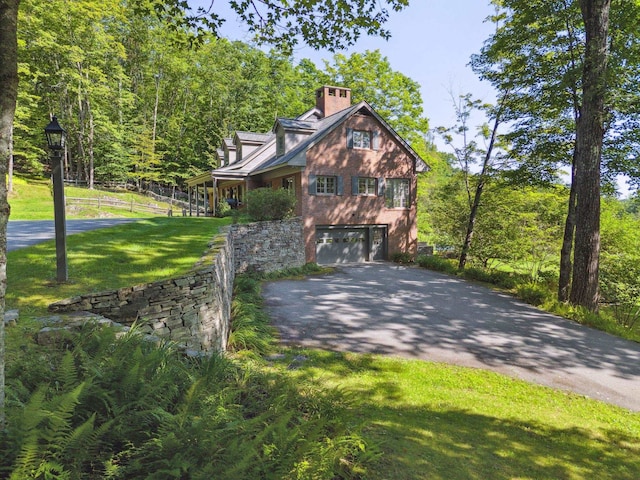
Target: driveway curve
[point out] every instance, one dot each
(24, 233)
(416, 313)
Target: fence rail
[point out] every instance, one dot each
(132, 206)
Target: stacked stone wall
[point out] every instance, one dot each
(194, 310)
(268, 246)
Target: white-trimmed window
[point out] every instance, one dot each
(367, 186)
(361, 139)
(326, 185)
(397, 193)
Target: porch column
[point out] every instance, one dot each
(206, 200)
(197, 200)
(190, 200)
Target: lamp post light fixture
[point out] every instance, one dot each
(56, 140)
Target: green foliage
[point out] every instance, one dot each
(533, 293)
(393, 95)
(402, 257)
(620, 264)
(439, 264)
(268, 204)
(128, 408)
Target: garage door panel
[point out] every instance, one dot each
(341, 246)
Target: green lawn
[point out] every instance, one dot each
(110, 258)
(32, 199)
(434, 421)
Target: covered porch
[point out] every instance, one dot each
(205, 191)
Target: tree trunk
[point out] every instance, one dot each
(90, 146)
(10, 172)
(478, 195)
(589, 137)
(566, 264)
(8, 98)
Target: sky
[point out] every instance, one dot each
(431, 43)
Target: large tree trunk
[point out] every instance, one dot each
(566, 264)
(589, 137)
(8, 98)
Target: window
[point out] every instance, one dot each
(289, 184)
(367, 186)
(397, 193)
(325, 185)
(361, 139)
(280, 144)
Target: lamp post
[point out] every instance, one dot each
(55, 139)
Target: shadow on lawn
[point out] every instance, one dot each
(437, 440)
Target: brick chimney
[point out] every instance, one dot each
(330, 100)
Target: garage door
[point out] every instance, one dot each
(349, 245)
(341, 246)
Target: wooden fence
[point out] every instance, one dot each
(132, 206)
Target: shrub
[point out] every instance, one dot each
(268, 204)
(532, 293)
(402, 257)
(439, 264)
(223, 209)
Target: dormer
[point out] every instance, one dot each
(290, 133)
(247, 142)
(229, 149)
(219, 156)
(330, 100)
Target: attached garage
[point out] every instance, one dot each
(350, 244)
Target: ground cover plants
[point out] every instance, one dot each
(107, 407)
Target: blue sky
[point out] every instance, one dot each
(431, 43)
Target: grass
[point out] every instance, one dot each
(32, 199)
(436, 421)
(424, 420)
(105, 259)
(443, 422)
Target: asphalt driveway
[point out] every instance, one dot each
(23, 233)
(416, 313)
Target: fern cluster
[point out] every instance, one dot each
(126, 408)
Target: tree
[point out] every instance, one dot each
(589, 138)
(468, 153)
(395, 96)
(8, 97)
(538, 51)
(321, 23)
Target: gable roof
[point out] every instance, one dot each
(264, 157)
(296, 157)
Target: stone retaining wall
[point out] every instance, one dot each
(194, 310)
(268, 246)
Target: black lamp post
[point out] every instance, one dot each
(55, 139)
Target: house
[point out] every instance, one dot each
(353, 177)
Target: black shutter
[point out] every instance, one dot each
(354, 185)
(312, 184)
(349, 137)
(340, 189)
(381, 187)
